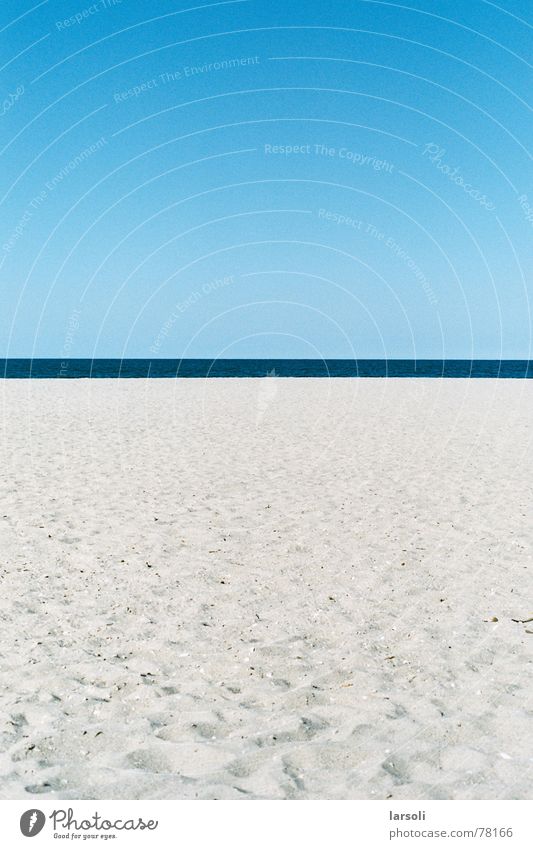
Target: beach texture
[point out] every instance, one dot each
(266, 589)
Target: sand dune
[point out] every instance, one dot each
(266, 589)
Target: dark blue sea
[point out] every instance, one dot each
(68, 369)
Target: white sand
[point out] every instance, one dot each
(266, 589)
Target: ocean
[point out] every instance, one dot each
(186, 368)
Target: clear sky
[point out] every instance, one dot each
(266, 179)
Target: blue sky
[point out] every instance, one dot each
(266, 179)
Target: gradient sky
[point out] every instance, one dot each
(266, 179)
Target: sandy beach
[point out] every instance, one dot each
(266, 589)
